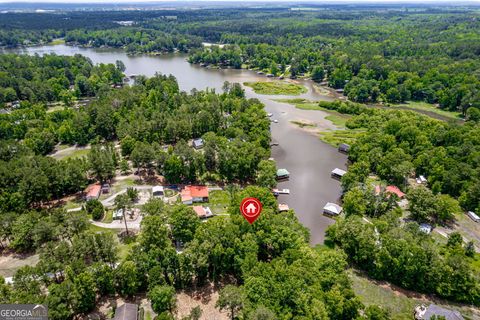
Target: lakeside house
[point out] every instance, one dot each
(391, 190)
(203, 212)
(127, 311)
(421, 180)
(332, 209)
(425, 228)
(338, 173)
(191, 194)
(344, 148)
(92, 192)
(473, 216)
(198, 143)
(158, 192)
(283, 174)
(433, 311)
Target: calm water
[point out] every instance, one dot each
(308, 159)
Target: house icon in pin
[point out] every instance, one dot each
(251, 208)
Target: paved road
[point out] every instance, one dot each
(119, 224)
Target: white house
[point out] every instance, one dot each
(338, 173)
(332, 209)
(473, 216)
(157, 191)
(426, 228)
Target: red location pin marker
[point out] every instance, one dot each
(251, 208)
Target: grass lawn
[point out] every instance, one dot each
(79, 153)
(72, 153)
(56, 41)
(108, 216)
(338, 119)
(118, 186)
(123, 247)
(219, 201)
(424, 106)
(399, 302)
(57, 107)
(400, 306)
(336, 137)
(276, 88)
(74, 203)
(170, 193)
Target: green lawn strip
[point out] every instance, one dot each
(276, 88)
(424, 106)
(219, 201)
(337, 119)
(108, 216)
(76, 153)
(302, 104)
(57, 107)
(75, 203)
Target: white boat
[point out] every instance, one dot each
(281, 191)
(275, 121)
(269, 114)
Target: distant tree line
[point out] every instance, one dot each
(52, 78)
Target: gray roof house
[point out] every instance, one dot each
(344, 148)
(198, 143)
(127, 311)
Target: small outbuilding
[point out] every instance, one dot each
(198, 143)
(203, 212)
(332, 209)
(283, 174)
(421, 180)
(338, 173)
(344, 148)
(117, 214)
(127, 311)
(425, 228)
(473, 216)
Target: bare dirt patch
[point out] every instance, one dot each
(205, 297)
(10, 263)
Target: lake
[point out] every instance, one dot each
(303, 154)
